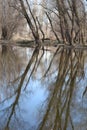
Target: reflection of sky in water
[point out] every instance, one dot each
(32, 101)
(30, 104)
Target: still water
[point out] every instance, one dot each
(43, 90)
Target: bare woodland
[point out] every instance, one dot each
(64, 21)
(62, 73)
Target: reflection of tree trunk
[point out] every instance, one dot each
(18, 91)
(4, 37)
(58, 111)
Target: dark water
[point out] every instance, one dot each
(43, 90)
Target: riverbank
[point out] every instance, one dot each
(49, 45)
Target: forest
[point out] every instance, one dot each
(61, 21)
(43, 65)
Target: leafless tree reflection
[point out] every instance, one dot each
(58, 112)
(8, 69)
(12, 107)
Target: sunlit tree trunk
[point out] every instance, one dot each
(33, 28)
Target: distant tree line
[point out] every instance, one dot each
(67, 19)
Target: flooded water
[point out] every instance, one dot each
(43, 90)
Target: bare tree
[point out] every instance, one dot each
(10, 19)
(69, 18)
(31, 21)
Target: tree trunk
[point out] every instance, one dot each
(4, 37)
(4, 33)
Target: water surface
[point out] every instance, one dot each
(43, 90)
